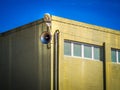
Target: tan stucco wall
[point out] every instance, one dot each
(81, 74)
(27, 64)
(25, 61)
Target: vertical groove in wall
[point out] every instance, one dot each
(36, 53)
(44, 62)
(39, 59)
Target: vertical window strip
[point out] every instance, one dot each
(117, 56)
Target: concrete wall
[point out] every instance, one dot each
(27, 64)
(82, 74)
(24, 61)
(4, 63)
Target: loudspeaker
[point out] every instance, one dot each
(45, 37)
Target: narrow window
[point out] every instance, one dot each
(67, 48)
(87, 51)
(77, 49)
(119, 56)
(113, 56)
(97, 53)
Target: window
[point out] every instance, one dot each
(67, 48)
(76, 49)
(115, 55)
(119, 56)
(97, 53)
(87, 51)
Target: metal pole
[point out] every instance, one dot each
(56, 60)
(104, 67)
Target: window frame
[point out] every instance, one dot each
(67, 41)
(117, 55)
(82, 50)
(73, 43)
(100, 52)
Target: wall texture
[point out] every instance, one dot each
(82, 74)
(25, 62)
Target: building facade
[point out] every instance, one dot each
(79, 56)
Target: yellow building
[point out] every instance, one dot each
(79, 56)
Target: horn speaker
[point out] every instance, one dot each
(45, 37)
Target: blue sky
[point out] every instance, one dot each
(14, 13)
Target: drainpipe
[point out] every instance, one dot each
(104, 67)
(56, 61)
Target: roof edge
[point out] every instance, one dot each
(85, 25)
(22, 27)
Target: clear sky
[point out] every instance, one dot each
(14, 13)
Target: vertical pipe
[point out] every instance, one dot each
(56, 60)
(104, 66)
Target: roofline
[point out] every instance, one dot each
(85, 25)
(22, 27)
(66, 21)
